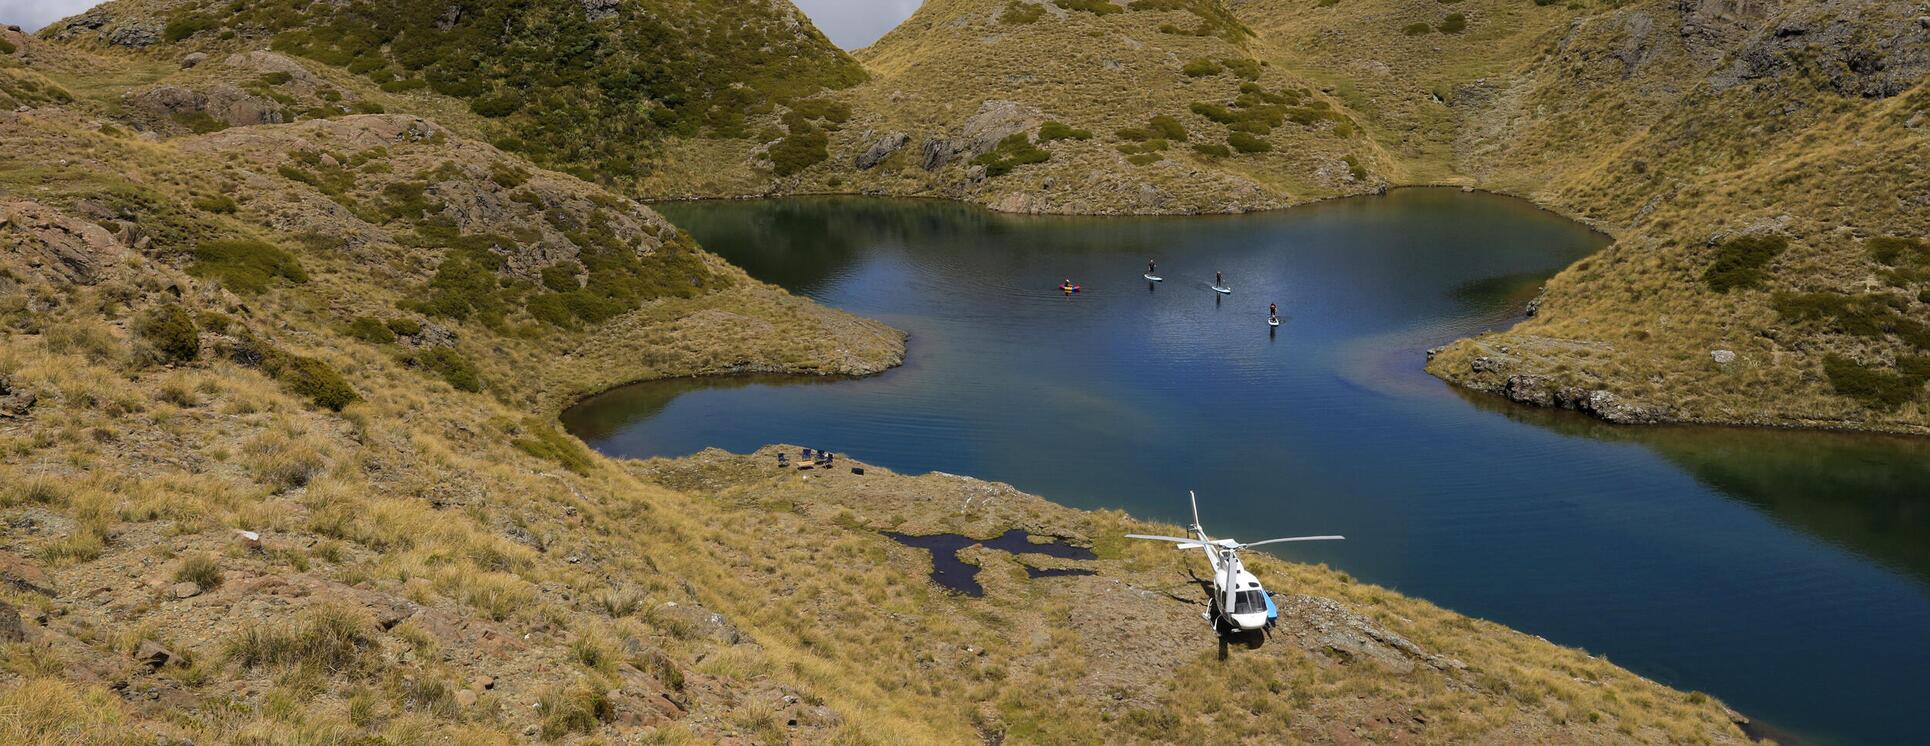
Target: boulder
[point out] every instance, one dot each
(11, 628)
(598, 10)
(135, 37)
(154, 656)
(15, 402)
(936, 152)
(193, 60)
(883, 148)
(995, 121)
(1723, 357)
(24, 575)
(185, 589)
(466, 698)
(270, 62)
(704, 622)
(56, 246)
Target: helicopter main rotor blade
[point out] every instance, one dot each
(1174, 539)
(1292, 538)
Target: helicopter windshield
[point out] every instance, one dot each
(1249, 602)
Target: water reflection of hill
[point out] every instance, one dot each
(1861, 492)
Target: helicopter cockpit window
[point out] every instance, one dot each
(1249, 602)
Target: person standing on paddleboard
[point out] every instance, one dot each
(1218, 281)
(1152, 267)
(1273, 310)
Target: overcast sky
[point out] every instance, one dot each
(849, 23)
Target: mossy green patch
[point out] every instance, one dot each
(171, 331)
(1742, 262)
(1877, 388)
(1012, 152)
(1095, 7)
(546, 442)
(245, 266)
(1018, 13)
(1053, 131)
(449, 365)
(370, 330)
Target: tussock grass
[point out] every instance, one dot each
(200, 568)
(332, 639)
(48, 712)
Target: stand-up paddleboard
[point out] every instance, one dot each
(1221, 290)
(1273, 322)
(1070, 289)
(1153, 277)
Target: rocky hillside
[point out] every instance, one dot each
(281, 357)
(1156, 106)
(1761, 165)
(591, 87)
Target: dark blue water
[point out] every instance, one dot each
(1787, 573)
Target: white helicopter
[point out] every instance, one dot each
(1238, 600)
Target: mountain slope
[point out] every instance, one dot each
(278, 464)
(1759, 163)
(590, 87)
(1150, 106)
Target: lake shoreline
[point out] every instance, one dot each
(1498, 390)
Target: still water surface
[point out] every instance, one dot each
(1787, 573)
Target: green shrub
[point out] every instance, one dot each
(245, 266)
(799, 150)
(1893, 251)
(169, 328)
(1095, 7)
(561, 276)
(302, 376)
(508, 176)
(1243, 66)
(1353, 167)
(1740, 262)
(7, 47)
(371, 331)
(1018, 13)
(449, 365)
(1416, 29)
(1453, 24)
(1168, 127)
(1868, 315)
(1247, 143)
(1878, 389)
(1054, 131)
(1212, 150)
(198, 122)
(823, 109)
(1012, 152)
(187, 24)
(275, 78)
(216, 203)
(1201, 68)
(1144, 159)
(405, 326)
(546, 442)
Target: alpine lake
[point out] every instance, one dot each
(1787, 573)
